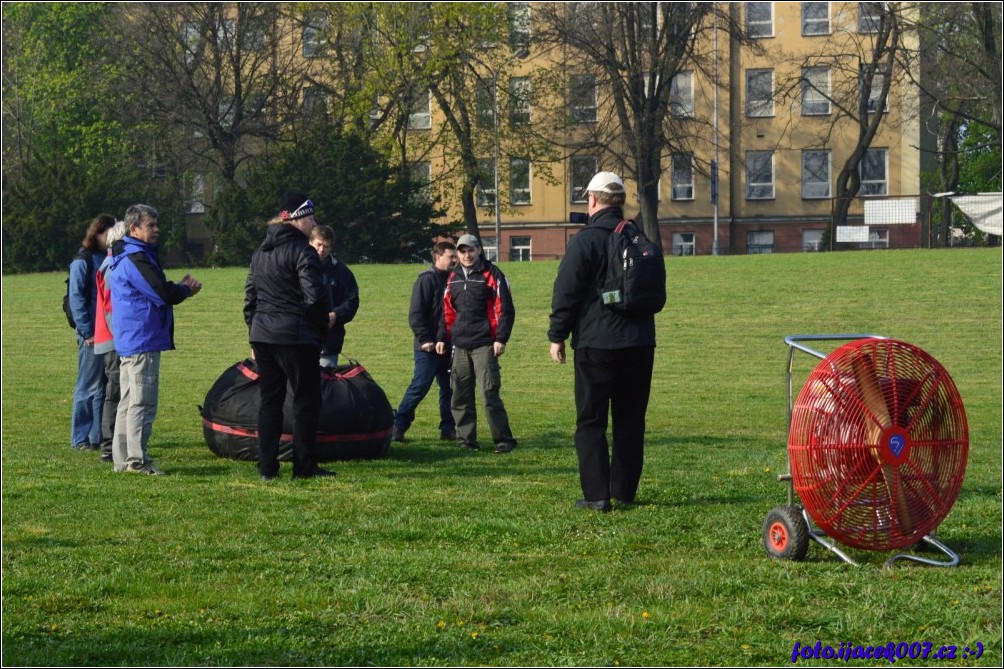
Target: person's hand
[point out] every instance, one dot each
(440, 347)
(558, 352)
(498, 348)
(90, 341)
(428, 347)
(193, 285)
(332, 317)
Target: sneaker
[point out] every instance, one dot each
(602, 505)
(145, 468)
(85, 446)
(397, 435)
(471, 445)
(106, 456)
(505, 446)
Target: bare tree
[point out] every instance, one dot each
(216, 76)
(633, 54)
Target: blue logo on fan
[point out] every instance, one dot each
(896, 444)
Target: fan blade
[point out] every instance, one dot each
(864, 373)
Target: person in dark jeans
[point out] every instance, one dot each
(423, 316)
(286, 308)
(614, 355)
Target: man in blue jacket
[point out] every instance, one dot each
(143, 323)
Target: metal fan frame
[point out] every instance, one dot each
(797, 343)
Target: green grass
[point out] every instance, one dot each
(437, 556)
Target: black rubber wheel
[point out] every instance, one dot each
(785, 534)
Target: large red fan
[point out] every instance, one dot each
(878, 444)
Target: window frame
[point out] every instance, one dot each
(883, 182)
(759, 22)
(572, 174)
(420, 120)
(674, 185)
(807, 21)
(806, 195)
(751, 185)
(753, 106)
(520, 107)
(513, 189)
(682, 105)
(485, 197)
(755, 246)
(582, 113)
(812, 246)
(314, 35)
(810, 87)
(681, 247)
(868, 22)
(517, 244)
(520, 25)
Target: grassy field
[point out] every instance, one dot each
(438, 556)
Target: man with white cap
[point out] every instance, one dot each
(613, 356)
(478, 316)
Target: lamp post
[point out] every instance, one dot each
(520, 54)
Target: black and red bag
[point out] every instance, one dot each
(356, 419)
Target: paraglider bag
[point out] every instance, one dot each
(355, 422)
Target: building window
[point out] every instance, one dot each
(759, 93)
(519, 101)
(759, 19)
(582, 98)
(226, 112)
(519, 249)
(874, 171)
(759, 241)
(870, 16)
(484, 98)
(581, 169)
(812, 240)
(519, 181)
(197, 195)
(815, 18)
(815, 91)
(421, 175)
(315, 37)
(815, 174)
(683, 243)
(519, 25)
(486, 182)
(192, 38)
(874, 91)
(420, 112)
(681, 94)
(759, 175)
(878, 238)
(490, 248)
(315, 101)
(683, 176)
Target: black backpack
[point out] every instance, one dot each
(82, 254)
(636, 273)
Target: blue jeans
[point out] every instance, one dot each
(428, 366)
(88, 396)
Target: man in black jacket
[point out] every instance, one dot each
(613, 356)
(424, 315)
(343, 292)
(478, 316)
(286, 307)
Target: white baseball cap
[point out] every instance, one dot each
(606, 182)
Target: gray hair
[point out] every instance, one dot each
(116, 232)
(136, 213)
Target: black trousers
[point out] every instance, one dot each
(618, 382)
(298, 366)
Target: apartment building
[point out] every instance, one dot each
(783, 134)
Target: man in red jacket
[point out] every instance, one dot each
(478, 316)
